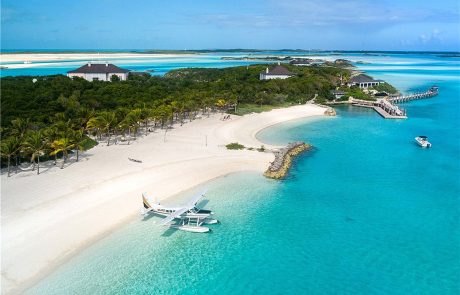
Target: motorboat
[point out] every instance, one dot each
(423, 141)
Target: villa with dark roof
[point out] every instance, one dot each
(363, 81)
(99, 71)
(277, 72)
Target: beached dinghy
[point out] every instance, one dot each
(135, 160)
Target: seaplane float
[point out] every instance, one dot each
(186, 217)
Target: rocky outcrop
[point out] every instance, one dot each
(330, 112)
(283, 159)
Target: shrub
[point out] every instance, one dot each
(234, 146)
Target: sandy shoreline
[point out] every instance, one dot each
(30, 60)
(47, 218)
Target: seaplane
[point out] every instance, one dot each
(186, 217)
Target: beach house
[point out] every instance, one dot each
(99, 71)
(277, 72)
(363, 81)
(338, 93)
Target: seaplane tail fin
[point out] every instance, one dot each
(148, 201)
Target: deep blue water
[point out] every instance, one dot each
(366, 212)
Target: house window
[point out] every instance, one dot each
(95, 79)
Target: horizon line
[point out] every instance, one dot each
(143, 50)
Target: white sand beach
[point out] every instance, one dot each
(49, 217)
(30, 60)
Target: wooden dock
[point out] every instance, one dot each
(386, 115)
(387, 108)
(383, 107)
(433, 91)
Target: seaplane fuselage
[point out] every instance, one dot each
(193, 213)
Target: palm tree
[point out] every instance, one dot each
(144, 116)
(104, 122)
(9, 148)
(84, 115)
(20, 127)
(51, 134)
(133, 118)
(108, 121)
(155, 115)
(79, 139)
(120, 114)
(221, 103)
(36, 144)
(125, 126)
(62, 145)
(95, 124)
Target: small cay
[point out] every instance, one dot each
(283, 159)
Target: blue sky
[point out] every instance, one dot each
(204, 24)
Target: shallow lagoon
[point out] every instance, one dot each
(366, 212)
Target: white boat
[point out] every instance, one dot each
(423, 141)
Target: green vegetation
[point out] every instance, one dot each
(261, 149)
(71, 115)
(385, 87)
(357, 93)
(234, 146)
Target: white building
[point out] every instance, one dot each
(277, 72)
(363, 81)
(337, 93)
(101, 72)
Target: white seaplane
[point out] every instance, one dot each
(188, 217)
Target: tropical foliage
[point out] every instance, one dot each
(53, 116)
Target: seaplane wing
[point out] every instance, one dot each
(173, 215)
(192, 202)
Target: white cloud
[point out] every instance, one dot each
(434, 37)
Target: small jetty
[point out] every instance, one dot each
(387, 108)
(433, 91)
(383, 107)
(283, 159)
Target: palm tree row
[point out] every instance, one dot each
(26, 142)
(72, 133)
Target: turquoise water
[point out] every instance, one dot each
(366, 212)
(159, 66)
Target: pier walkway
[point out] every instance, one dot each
(433, 91)
(387, 108)
(383, 107)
